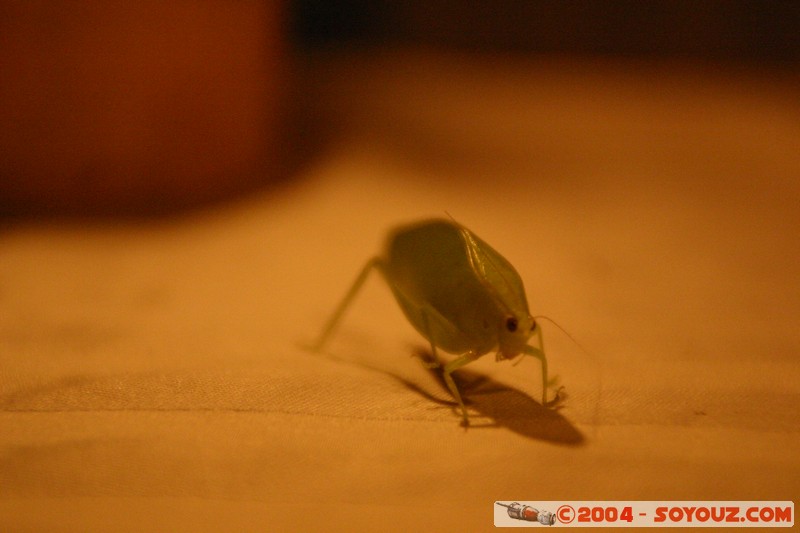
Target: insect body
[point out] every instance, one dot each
(457, 292)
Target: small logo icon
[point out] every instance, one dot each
(525, 512)
(565, 514)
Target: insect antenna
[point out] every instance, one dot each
(565, 332)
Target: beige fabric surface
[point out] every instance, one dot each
(152, 376)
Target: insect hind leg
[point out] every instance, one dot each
(333, 321)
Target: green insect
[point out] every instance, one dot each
(457, 292)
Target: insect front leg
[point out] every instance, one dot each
(451, 367)
(333, 321)
(539, 354)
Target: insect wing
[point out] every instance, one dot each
(429, 270)
(496, 274)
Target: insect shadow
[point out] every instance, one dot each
(498, 405)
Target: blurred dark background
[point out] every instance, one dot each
(111, 107)
(734, 30)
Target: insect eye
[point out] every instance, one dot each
(511, 324)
